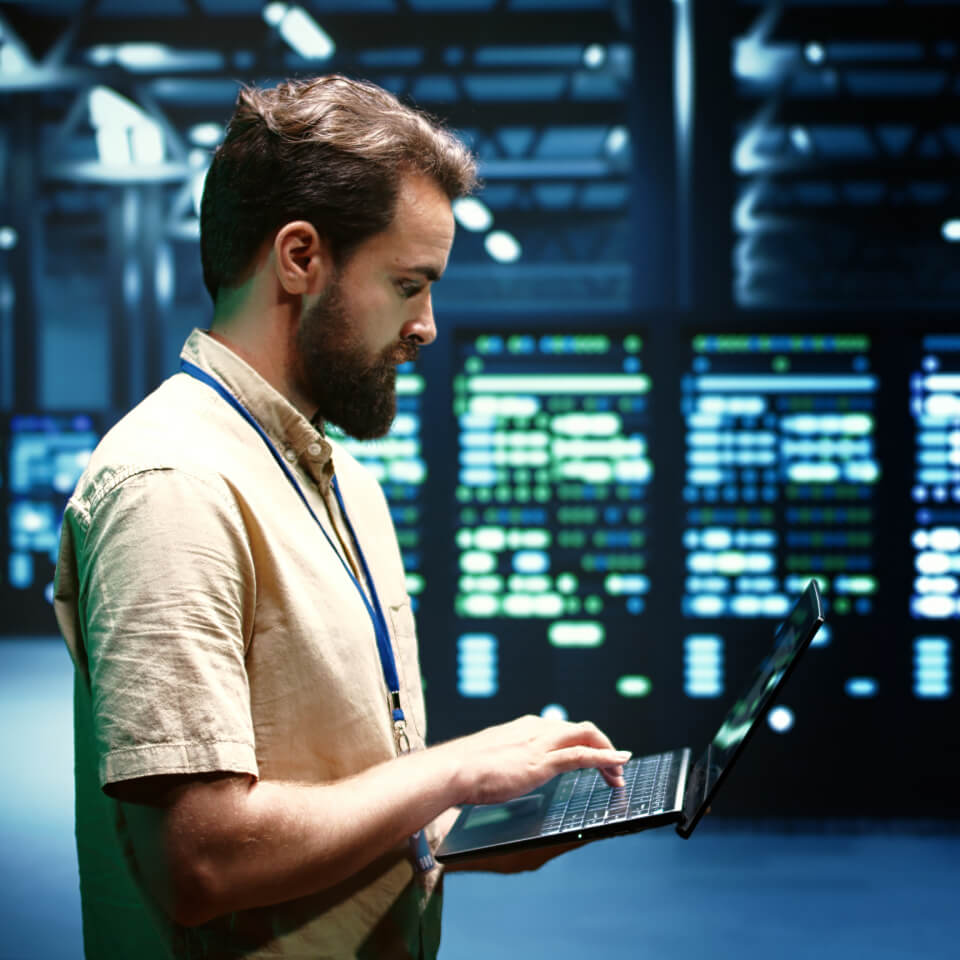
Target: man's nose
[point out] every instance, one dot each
(421, 327)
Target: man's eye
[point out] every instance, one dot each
(409, 289)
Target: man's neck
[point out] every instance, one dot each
(266, 348)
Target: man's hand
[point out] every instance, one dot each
(211, 844)
(512, 759)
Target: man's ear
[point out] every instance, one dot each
(301, 258)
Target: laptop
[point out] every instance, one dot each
(660, 789)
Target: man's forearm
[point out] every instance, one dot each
(233, 844)
(209, 847)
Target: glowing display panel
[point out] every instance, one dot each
(45, 456)
(552, 484)
(935, 406)
(397, 463)
(781, 472)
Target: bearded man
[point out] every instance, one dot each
(252, 773)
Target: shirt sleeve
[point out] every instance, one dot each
(167, 593)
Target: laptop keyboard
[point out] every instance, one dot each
(584, 799)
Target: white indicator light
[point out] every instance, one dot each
(594, 56)
(951, 231)
(780, 719)
(553, 711)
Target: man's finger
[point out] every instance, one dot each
(585, 733)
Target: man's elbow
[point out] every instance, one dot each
(196, 893)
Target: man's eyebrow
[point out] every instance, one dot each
(426, 270)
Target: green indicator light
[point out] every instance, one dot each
(407, 538)
(571, 606)
(478, 605)
(519, 583)
(842, 605)
(780, 364)
(464, 494)
(633, 343)
(563, 383)
(464, 539)
(477, 561)
(573, 634)
(490, 538)
(567, 583)
(699, 344)
(573, 539)
(473, 365)
(468, 516)
(637, 515)
(634, 686)
(523, 605)
(491, 583)
(593, 604)
(572, 516)
(415, 584)
(594, 343)
(409, 384)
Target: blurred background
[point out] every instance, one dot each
(698, 344)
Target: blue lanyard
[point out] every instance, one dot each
(384, 647)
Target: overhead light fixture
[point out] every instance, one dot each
(472, 215)
(125, 134)
(502, 246)
(152, 57)
(301, 32)
(8, 238)
(206, 134)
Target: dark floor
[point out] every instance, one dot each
(743, 891)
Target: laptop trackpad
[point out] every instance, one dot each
(519, 817)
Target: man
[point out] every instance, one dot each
(251, 778)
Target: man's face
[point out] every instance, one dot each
(374, 314)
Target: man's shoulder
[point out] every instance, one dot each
(177, 427)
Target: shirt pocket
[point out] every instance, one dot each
(405, 639)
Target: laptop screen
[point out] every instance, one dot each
(792, 637)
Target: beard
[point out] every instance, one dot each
(335, 372)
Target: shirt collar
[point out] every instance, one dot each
(298, 440)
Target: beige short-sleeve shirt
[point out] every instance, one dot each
(215, 628)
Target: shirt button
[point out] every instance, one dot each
(315, 450)
(290, 454)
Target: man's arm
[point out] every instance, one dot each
(209, 846)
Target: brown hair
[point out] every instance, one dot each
(331, 151)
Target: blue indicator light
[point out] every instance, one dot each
(861, 687)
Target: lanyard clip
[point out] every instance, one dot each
(399, 723)
(400, 735)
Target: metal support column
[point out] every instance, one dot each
(26, 257)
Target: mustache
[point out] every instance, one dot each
(406, 351)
